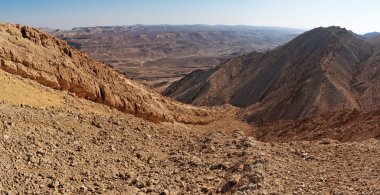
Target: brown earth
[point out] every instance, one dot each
(54, 143)
(161, 54)
(52, 62)
(322, 70)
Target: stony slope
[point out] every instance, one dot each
(52, 62)
(54, 143)
(322, 70)
(346, 125)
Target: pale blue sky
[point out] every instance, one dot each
(357, 15)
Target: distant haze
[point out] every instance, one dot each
(360, 16)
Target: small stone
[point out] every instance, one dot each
(165, 192)
(83, 189)
(40, 152)
(204, 189)
(310, 157)
(229, 185)
(126, 175)
(154, 181)
(96, 124)
(248, 142)
(238, 134)
(139, 184)
(355, 179)
(150, 160)
(55, 183)
(325, 141)
(256, 178)
(113, 149)
(212, 148)
(301, 153)
(219, 166)
(139, 155)
(32, 159)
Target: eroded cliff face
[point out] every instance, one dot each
(52, 62)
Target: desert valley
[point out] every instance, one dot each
(189, 109)
(158, 55)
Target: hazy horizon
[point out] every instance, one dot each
(359, 17)
(210, 25)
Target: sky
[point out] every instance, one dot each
(357, 15)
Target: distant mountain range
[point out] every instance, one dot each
(158, 55)
(371, 35)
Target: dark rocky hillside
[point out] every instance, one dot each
(322, 70)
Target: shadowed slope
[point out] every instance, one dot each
(346, 126)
